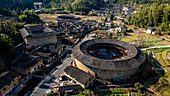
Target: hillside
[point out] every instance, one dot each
(73, 5)
(22, 4)
(156, 15)
(17, 3)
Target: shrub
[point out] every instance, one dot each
(51, 93)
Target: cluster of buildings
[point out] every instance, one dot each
(38, 50)
(115, 10)
(68, 26)
(86, 67)
(104, 12)
(151, 30)
(127, 10)
(104, 59)
(8, 81)
(117, 29)
(41, 47)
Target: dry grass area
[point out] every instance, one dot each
(42, 16)
(117, 22)
(30, 25)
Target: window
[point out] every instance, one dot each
(99, 73)
(121, 73)
(4, 89)
(114, 74)
(107, 73)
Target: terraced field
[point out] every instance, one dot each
(135, 38)
(165, 56)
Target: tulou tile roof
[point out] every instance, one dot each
(67, 18)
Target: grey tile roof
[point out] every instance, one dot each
(123, 26)
(25, 61)
(134, 58)
(36, 31)
(69, 87)
(151, 28)
(78, 74)
(46, 50)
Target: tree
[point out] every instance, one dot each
(23, 18)
(162, 85)
(113, 12)
(93, 14)
(156, 15)
(105, 20)
(6, 44)
(18, 11)
(163, 27)
(51, 93)
(86, 92)
(138, 87)
(111, 16)
(29, 17)
(129, 19)
(63, 46)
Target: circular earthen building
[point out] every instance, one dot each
(67, 18)
(108, 58)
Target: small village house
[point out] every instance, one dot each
(121, 28)
(38, 35)
(151, 30)
(78, 76)
(8, 81)
(26, 64)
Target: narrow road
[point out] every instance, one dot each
(155, 47)
(44, 85)
(164, 38)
